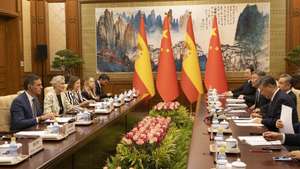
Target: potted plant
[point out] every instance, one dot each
(294, 56)
(293, 60)
(67, 61)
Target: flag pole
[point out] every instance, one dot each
(191, 109)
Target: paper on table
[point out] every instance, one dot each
(235, 100)
(240, 118)
(257, 141)
(286, 118)
(240, 105)
(43, 134)
(60, 120)
(237, 111)
(243, 121)
(249, 124)
(7, 159)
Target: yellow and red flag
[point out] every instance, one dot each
(215, 76)
(166, 82)
(191, 81)
(143, 77)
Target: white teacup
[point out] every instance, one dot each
(231, 143)
(224, 124)
(238, 164)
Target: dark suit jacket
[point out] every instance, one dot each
(292, 139)
(272, 112)
(21, 113)
(260, 100)
(256, 99)
(245, 89)
(293, 96)
(99, 90)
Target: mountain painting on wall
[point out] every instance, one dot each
(244, 32)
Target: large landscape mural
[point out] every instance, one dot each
(244, 31)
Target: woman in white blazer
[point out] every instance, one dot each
(55, 100)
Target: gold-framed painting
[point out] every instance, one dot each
(90, 48)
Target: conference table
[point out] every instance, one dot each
(201, 158)
(55, 152)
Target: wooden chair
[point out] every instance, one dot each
(5, 103)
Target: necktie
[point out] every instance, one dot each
(35, 104)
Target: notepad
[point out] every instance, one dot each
(286, 118)
(258, 141)
(60, 120)
(239, 105)
(243, 120)
(237, 111)
(43, 134)
(249, 124)
(235, 100)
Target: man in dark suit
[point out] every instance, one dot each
(254, 97)
(271, 113)
(25, 109)
(102, 81)
(247, 87)
(285, 84)
(286, 139)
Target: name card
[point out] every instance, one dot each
(69, 128)
(35, 146)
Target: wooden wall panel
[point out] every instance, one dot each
(10, 46)
(13, 55)
(293, 30)
(9, 7)
(293, 24)
(72, 25)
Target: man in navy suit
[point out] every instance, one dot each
(26, 110)
(247, 87)
(272, 111)
(286, 139)
(255, 97)
(285, 83)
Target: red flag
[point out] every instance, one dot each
(215, 76)
(166, 82)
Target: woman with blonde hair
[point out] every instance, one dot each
(55, 100)
(89, 89)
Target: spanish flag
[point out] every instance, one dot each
(191, 81)
(143, 77)
(215, 76)
(166, 82)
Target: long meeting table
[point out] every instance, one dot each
(201, 158)
(55, 152)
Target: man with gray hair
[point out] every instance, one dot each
(255, 100)
(271, 113)
(285, 83)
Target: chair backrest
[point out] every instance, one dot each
(297, 93)
(5, 103)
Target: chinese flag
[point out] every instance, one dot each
(191, 81)
(143, 77)
(215, 76)
(166, 82)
